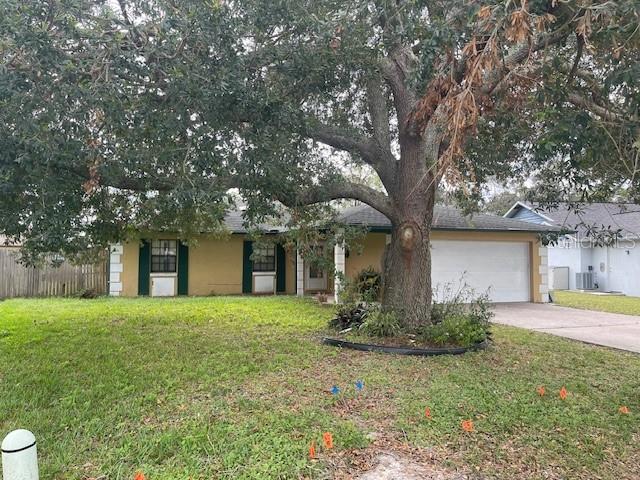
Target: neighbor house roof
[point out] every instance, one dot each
(622, 217)
(445, 218)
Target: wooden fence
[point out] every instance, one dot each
(16, 280)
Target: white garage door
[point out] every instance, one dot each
(501, 268)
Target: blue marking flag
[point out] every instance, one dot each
(335, 390)
(359, 385)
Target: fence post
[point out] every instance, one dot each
(19, 456)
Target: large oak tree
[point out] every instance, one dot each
(116, 114)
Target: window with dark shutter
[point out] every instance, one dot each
(163, 256)
(264, 258)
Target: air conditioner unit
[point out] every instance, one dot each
(585, 281)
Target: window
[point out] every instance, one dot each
(264, 258)
(163, 256)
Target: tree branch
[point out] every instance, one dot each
(395, 69)
(603, 112)
(521, 54)
(341, 189)
(381, 159)
(339, 138)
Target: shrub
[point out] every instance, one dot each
(458, 330)
(368, 284)
(381, 324)
(461, 318)
(358, 296)
(88, 293)
(349, 316)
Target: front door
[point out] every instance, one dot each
(315, 278)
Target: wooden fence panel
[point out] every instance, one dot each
(16, 280)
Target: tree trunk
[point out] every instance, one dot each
(407, 262)
(407, 272)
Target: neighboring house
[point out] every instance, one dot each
(590, 257)
(492, 252)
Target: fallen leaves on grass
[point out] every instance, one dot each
(624, 410)
(541, 390)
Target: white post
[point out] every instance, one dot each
(19, 456)
(299, 274)
(340, 267)
(115, 269)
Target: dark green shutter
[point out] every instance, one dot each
(247, 267)
(281, 270)
(144, 267)
(183, 269)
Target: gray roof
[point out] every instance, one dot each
(234, 221)
(445, 218)
(585, 217)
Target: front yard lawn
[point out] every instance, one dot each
(601, 303)
(237, 388)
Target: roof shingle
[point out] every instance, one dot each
(599, 216)
(445, 218)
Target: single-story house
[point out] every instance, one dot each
(590, 257)
(492, 252)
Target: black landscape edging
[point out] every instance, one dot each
(424, 352)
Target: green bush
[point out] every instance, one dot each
(458, 330)
(368, 284)
(381, 324)
(461, 318)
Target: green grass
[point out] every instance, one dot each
(602, 303)
(236, 388)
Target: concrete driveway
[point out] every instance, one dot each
(600, 328)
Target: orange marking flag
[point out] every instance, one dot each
(563, 393)
(541, 390)
(624, 410)
(312, 450)
(467, 425)
(327, 438)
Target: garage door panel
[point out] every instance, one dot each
(501, 268)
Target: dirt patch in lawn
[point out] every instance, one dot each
(391, 459)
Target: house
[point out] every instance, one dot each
(601, 252)
(492, 252)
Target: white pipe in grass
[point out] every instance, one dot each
(19, 456)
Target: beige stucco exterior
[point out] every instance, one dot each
(370, 255)
(215, 264)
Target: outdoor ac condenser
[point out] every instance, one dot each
(585, 281)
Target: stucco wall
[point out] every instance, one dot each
(215, 266)
(131, 252)
(370, 256)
